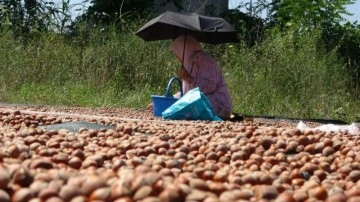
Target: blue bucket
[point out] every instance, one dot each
(161, 103)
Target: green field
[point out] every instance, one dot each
(280, 76)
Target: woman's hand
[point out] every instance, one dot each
(149, 107)
(184, 74)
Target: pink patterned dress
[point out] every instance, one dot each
(207, 75)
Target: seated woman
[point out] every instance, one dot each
(201, 70)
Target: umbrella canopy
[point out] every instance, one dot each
(170, 25)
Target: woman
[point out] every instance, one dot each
(201, 70)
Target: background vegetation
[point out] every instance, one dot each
(301, 60)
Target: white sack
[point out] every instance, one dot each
(352, 129)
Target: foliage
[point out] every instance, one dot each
(250, 29)
(299, 61)
(283, 78)
(31, 17)
(276, 77)
(110, 11)
(307, 15)
(347, 42)
(303, 17)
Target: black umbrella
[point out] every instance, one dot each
(170, 25)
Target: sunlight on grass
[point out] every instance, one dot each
(277, 77)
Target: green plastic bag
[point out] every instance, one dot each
(194, 105)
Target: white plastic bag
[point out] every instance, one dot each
(352, 129)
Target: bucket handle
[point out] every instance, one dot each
(167, 93)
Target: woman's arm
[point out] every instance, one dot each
(206, 74)
(184, 75)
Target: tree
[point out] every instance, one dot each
(248, 19)
(109, 11)
(307, 15)
(21, 17)
(32, 15)
(250, 28)
(12, 15)
(326, 15)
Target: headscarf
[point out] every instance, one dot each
(192, 47)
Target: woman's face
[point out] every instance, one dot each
(190, 45)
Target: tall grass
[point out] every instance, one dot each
(281, 76)
(285, 77)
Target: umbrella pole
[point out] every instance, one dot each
(182, 61)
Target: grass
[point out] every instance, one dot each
(282, 76)
(279, 78)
